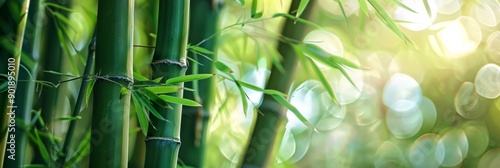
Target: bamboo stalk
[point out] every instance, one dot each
(203, 13)
(169, 60)
(10, 159)
(79, 102)
(113, 65)
(52, 60)
(268, 129)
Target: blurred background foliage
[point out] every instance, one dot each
(433, 103)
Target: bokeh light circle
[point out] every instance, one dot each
(493, 46)
(421, 153)
(467, 101)
(402, 93)
(452, 148)
(487, 82)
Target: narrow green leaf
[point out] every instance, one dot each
(142, 115)
(254, 14)
(222, 67)
(139, 77)
(382, 14)
(398, 2)
(81, 152)
(154, 97)
(274, 92)
(294, 110)
(70, 118)
(323, 80)
(297, 19)
(188, 78)
(153, 35)
(59, 7)
(157, 80)
(145, 103)
(88, 91)
(242, 94)
(302, 7)
(324, 57)
(4, 86)
(240, 2)
(41, 146)
(200, 49)
(299, 51)
(163, 89)
(178, 100)
(427, 8)
(343, 61)
(343, 13)
(61, 74)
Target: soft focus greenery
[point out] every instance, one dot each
(379, 83)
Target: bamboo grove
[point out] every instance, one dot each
(155, 83)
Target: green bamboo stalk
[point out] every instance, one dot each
(52, 60)
(169, 60)
(15, 113)
(113, 65)
(203, 14)
(79, 102)
(268, 129)
(8, 29)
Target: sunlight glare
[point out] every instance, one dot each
(456, 38)
(416, 21)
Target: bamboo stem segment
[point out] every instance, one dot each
(169, 60)
(113, 65)
(203, 14)
(268, 129)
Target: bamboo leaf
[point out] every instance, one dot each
(274, 92)
(222, 67)
(294, 110)
(427, 7)
(41, 147)
(323, 80)
(139, 77)
(299, 51)
(297, 19)
(163, 89)
(178, 100)
(302, 7)
(324, 57)
(240, 2)
(254, 14)
(4, 86)
(88, 91)
(382, 14)
(242, 94)
(59, 7)
(145, 103)
(188, 78)
(81, 152)
(142, 115)
(343, 12)
(200, 49)
(154, 97)
(397, 2)
(70, 118)
(61, 74)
